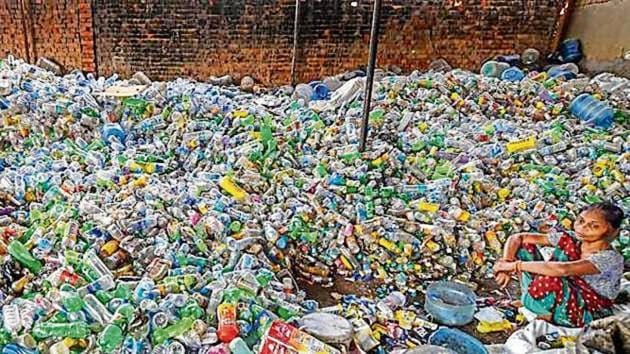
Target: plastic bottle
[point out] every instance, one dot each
(176, 329)
(512, 74)
(11, 318)
(303, 92)
(97, 311)
(113, 130)
(238, 346)
(530, 56)
(13, 348)
(22, 255)
(226, 316)
(493, 68)
(571, 50)
(320, 90)
(232, 188)
(592, 111)
(110, 338)
(77, 330)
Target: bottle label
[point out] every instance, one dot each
(521, 145)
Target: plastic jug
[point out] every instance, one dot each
(571, 50)
(592, 111)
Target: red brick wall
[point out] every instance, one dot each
(12, 40)
(57, 29)
(166, 39)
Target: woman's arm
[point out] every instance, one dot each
(515, 241)
(552, 269)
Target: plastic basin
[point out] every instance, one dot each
(429, 349)
(450, 303)
(457, 341)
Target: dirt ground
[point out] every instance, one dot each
(487, 287)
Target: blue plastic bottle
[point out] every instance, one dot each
(571, 50)
(512, 74)
(320, 90)
(592, 111)
(113, 129)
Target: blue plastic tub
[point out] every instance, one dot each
(457, 341)
(450, 303)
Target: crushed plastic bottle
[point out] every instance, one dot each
(185, 216)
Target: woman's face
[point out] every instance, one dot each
(591, 226)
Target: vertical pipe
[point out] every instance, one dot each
(369, 80)
(296, 24)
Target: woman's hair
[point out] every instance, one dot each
(612, 213)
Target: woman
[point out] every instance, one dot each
(582, 278)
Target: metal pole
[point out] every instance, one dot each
(296, 23)
(369, 80)
(564, 20)
(27, 46)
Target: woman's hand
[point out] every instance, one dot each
(504, 266)
(503, 279)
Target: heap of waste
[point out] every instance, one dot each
(181, 216)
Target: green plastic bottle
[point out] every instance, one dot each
(77, 330)
(180, 327)
(71, 301)
(24, 257)
(111, 338)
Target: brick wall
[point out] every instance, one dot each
(166, 39)
(12, 36)
(57, 29)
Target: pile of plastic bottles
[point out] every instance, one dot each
(182, 218)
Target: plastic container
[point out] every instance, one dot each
(332, 82)
(512, 74)
(567, 71)
(565, 75)
(457, 341)
(320, 90)
(303, 92)
(450, 303)
(429, 349)
(113, 129)
(328, 327)
(592, 111)
(530, 56)
(228, 329)
(493, 68)
(571, 50)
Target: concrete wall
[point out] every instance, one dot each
(603, 26)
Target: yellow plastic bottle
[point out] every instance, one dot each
(487, 327)
(234, 190)
(521, 145)
(428, 207)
